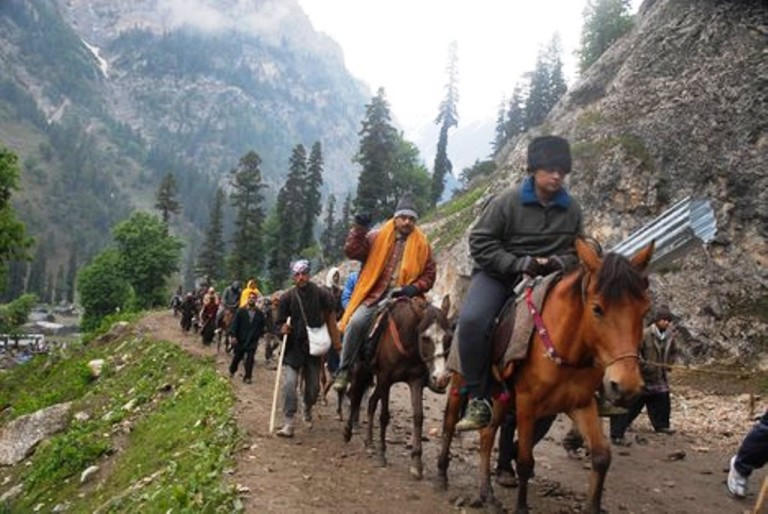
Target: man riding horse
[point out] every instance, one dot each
(527, 230)
(397, 262)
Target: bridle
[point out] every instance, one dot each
(550, 350)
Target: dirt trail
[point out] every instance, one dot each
(317, 471)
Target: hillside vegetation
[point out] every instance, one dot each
(158, 423)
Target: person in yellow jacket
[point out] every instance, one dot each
(249, 288)
(397, 261)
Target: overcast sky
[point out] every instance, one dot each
(402, 46)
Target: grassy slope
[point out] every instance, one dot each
(161, 429)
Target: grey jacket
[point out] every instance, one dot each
(514, 224)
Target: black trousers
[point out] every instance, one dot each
(658, 407)
(753, 451)
(507, 442)
(238, 353)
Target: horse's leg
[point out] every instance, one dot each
(383, 422)
(417, 403)
(356, 390)
(373, 401)
(450, 418)
(590, 427)
(487, 438)
(525, 462)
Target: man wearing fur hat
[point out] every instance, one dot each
(398, 259)
(657, 352)
(528, 229)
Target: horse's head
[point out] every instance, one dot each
(615, 296)
(435, 334)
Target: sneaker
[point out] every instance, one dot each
(621, 441)
(246, 380)
(478, 416)
(665, 430)
(286, 430)
(737, 483)
(308, 419)
(341, 382)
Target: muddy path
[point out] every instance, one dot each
(317, 471)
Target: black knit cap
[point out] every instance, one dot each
(406, 207)
(549, 153)
(663, 312)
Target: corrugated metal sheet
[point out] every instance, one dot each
(682, 227)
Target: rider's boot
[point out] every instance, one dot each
(477, 416)
(341, 382)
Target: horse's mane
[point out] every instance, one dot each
(618, 277)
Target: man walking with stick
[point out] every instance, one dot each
(307, 305)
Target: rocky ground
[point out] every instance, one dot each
(680, 473)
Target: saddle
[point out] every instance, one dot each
(379, 324)
(510, 340)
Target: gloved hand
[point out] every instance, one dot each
(408, 291)
(364, 220)
(526, 265)
(553, 264)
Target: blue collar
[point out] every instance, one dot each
(528, 195)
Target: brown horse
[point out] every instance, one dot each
(411, 349)
(593, 321)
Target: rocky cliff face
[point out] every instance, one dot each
(676, 108)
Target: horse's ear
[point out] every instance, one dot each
(587, 254)
(446, 305)
(643, 257)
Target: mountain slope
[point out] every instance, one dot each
(675, 108)
(106, 97)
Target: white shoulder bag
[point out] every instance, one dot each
(319, 337)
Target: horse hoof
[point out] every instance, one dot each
(441, 484)
(347, 434)
(416, 472)
(382, 461)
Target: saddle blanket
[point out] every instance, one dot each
(517, 346)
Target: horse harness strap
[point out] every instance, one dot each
(395, 335)
(551, 351)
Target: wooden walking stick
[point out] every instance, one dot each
(761, 497)
(277, 380)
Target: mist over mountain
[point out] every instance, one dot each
(104, 98)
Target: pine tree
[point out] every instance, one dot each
(14, 242)
(166, 201)
(36, 281)
(282, 243)
(605, 21)
(210, 262)
(500, 131)
(546, 84)
(516, 114)
(342, 226)
(312, 200)
(327, 239)
(71, 274)
(61, 286)
(378, 145)
(446, 118)
(246, 258)
(17, 274)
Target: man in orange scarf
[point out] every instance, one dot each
(397, 259)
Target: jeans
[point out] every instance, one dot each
(658, 407)
(482, 303)
(753, 451)
(311, 374)
(354, 335)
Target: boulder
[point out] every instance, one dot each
(19, 437)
